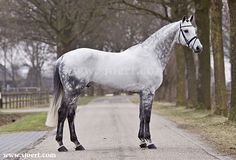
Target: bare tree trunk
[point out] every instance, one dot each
(185, 94)
(63, 48)
(191, 79)
(232, 10)
(177, 12)
(100, 91)
(116, 92)
(204, 70)
(218, 55)
(180, 77)
(91, 90)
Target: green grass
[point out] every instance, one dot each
(30, 122)
(35, 121)
(85, 100)
(216, 130)
(135, 99)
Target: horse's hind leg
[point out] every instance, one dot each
(71, 117)
(62, 113)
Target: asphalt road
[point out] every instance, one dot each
(11, 143)
(108, 128)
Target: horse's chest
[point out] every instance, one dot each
(150, 74)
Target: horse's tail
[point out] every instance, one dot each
(56, 100)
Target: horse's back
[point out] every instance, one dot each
(78, 55)
(83, 62)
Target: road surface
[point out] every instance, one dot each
(15, 142)
(108, 128)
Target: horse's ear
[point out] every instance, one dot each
(191, 18)
(184, 18)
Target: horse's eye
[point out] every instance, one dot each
(186, 31)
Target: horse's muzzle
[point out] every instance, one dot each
(198, 49)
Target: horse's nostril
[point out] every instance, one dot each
(197, 49)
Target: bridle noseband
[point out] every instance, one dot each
(186, 40)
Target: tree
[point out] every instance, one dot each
(180, 76)
(60, 23)
(7, 41)
(191, 79)
(36, 54)
(147, 7)
(232, 11)
(186, 72)
(177, 12)
(218, 55)
(14, 61)
(204, 69)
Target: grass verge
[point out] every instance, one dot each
(29, 122)
(6, 118)
(85, 100)
(17, 122)
(216, 130)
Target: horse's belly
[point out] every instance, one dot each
(124, 82)
(129, 81)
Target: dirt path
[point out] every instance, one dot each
(108, 129)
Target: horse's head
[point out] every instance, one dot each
(187, 35)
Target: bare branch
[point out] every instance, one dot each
(156, 14)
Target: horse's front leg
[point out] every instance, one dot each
(141, 126)
(147, 99)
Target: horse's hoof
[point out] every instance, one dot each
(62, 149)
(151, 146)
(143, 145)
(79, 148)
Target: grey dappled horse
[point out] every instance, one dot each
(138, 69)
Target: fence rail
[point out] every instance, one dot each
(10, 100)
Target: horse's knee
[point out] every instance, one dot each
(147, 99)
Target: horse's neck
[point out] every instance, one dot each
(161, 42)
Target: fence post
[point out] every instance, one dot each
(1, 105)
(48, 97)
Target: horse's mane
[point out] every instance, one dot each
(162, 32)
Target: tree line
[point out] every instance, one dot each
(196, 81)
